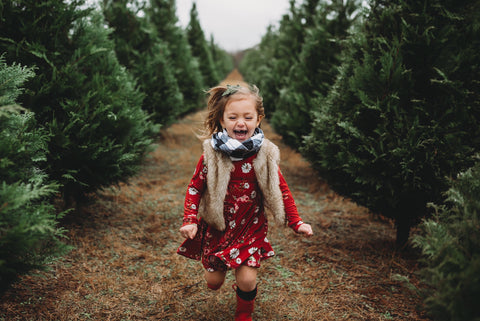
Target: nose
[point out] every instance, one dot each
(241, 123)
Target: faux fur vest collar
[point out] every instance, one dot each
(219, 167)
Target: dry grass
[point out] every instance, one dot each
(124, 265)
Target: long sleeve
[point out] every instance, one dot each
(291, 212)
(194, 193)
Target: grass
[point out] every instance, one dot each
(124, 265)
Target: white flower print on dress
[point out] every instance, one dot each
(255, 220)
(246, 186)
(243, 198)
(192, 191)
(234, 253)
(238, 260)
(232, 224)
(266, 240)
(193, 207)
(182, 249)
(252, 250)
(271, 253)
(246, 168)
(251, 261)
(253, 194)
(203, 173)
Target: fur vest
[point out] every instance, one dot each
(219, 167)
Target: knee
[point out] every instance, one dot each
(214, 287)
(246, 281)
(247, 284)
(214, 279)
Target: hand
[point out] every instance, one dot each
(305, 229)
(189, 231)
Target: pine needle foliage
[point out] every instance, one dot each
(297, 62)
(404, 113)
(201, 50)
(86, 100)
(270, 64)
(29, 235)
(147, 57)
(315, 70)
(162, 14)
(450, 243)
(222, 59)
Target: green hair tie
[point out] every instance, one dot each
(231, 90)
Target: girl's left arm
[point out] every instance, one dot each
(291, 212)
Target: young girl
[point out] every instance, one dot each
(237, 184)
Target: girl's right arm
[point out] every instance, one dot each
(192, 199)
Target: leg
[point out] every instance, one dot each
(215, 279)
(246, 278)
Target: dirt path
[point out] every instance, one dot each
(124, 265)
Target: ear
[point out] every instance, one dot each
(260, 117)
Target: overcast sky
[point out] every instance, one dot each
(235, 24)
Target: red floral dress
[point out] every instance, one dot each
(244, 240)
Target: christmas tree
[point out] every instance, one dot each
(404, 112)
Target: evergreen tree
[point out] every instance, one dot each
(222, 59)
(147, 57)
(201, 50)
(450, 242)
(81, 94)
(162, 14)
(279, 51)
(404, 112)
(29, 236)
(312, 75)
(287, 48)
(257, 65)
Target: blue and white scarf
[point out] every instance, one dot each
(235, 149)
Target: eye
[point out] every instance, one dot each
(231, 117)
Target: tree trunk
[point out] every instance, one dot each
(403, 232)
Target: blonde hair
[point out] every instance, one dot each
(218, 98)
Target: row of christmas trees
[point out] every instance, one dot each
(83, 93)
(384, 101)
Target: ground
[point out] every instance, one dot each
(124, 266)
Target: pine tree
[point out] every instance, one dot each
(147, 57)
(29, 235)
(404, 112)
(222, 59)
(257, 65)
(450, 242)
(162, 14)
(81, 94)
(201, 50)
(288, 45)
(278, 51)
(312, 75)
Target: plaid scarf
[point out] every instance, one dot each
(235, 149)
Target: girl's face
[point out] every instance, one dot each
(240, 118)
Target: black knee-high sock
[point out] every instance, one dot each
(247, 296)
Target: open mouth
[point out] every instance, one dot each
(240, 134)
